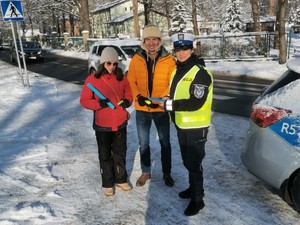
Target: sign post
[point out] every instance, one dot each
(12, 12)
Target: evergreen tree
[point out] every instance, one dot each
(232, 21)
(294, 17)
(178, 21)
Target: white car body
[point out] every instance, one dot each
(126, 48)
(272, 150)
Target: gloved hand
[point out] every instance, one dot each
(142, 100)
(103, 102)
(153, 106)
(124, 103)
(146, 101)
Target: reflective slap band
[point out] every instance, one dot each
(148, 102)
(169, 105)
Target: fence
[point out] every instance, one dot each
(235, 46)
(214, 46)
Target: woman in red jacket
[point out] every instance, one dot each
(110, 123)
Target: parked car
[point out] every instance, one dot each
(126, 49)
(272, 150)
(32, 51)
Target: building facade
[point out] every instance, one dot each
(115, 20)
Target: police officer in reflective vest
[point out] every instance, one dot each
(190, 104)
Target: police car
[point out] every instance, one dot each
(272, 150)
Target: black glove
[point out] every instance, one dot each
(146, 101)
(124, 103)
(142, 100)
(103, 102)
(153, 106)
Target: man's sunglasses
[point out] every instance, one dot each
(109, 63)
(182, 47)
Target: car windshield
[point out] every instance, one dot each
(29, 45)
(130, 50)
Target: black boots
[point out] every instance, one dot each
(185, 194)
(194, 207)
(168, 180)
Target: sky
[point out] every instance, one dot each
(49, 168)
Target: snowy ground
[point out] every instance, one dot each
(49, 170)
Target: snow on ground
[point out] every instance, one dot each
(49, 169)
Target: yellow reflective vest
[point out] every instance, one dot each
(192, 119)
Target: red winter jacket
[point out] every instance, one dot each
(107, 119)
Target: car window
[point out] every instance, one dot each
(120, 53)
(100, 49)
(288, 77)
(130, 50)
(94, 49)
(30, 45)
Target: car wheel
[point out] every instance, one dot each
(295, 193)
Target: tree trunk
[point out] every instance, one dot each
(146, 12)
(272, 11)
(63, 23)
(136, 25)
(194, 17)
(72, 33)
(84, 13)
(256, 20)
(167, 12)
(282, 40)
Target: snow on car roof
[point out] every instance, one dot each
(118, 42)
(294, 64)
(286, 97)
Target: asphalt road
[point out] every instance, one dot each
(232, 95)
(235, 95)
(64, 68)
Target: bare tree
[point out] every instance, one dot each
(147, 8)
(256, 20)
(83, 6)
(194, 17)
(136, 18)
(283, 5)
(273, 4)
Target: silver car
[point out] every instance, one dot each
(272, 151)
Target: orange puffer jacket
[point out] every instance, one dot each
(138, 78)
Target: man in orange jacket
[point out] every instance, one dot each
(149, 75)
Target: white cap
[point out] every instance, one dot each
(182, 39)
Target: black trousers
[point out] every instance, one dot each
(192, 147)
(112, 147)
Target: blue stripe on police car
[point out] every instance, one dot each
(289, 129)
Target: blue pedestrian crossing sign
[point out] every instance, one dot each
(12, 10)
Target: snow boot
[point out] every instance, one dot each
(194, 207)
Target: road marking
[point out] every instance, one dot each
(222, 97)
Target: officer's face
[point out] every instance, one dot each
(183, 54)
